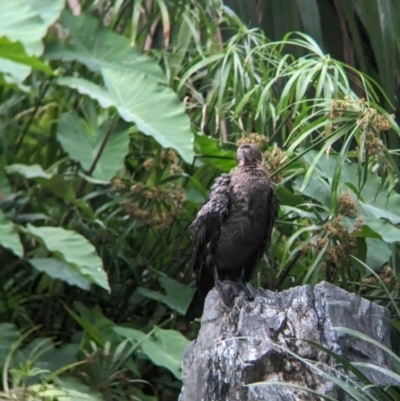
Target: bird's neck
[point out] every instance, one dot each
(250, 165)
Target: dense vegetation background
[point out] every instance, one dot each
(116, 116)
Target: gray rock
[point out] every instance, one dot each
(257, 342)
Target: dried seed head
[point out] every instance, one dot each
(273, 161)
(348, 204)
(254, 139)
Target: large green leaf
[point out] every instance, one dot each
(83, 143)
(14, 51)
(9, 237)
(387, 232)
(73, 249)
(177, 295)
(60, 270)
(154, 108)
(378, 253)
(27, 21)
(164, 347)
(97, 47)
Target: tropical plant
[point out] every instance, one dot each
(115, 117)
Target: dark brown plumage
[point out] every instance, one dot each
(232, 230)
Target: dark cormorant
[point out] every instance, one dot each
(232, 230)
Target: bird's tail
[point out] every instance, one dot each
(195, 309)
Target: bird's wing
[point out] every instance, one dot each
(273, 203)
(205, 232)
(273, 208)
(205, 228)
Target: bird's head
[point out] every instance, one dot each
(248, 154)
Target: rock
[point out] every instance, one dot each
(257, 341)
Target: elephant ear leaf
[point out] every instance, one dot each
(9, 237)
(155, 109)
(74, 250)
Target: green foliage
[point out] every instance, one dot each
(73, 249)
(114, 123)
(84, 143)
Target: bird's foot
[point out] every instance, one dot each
(228, 290)
(249, 291)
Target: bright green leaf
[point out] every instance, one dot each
(136, 97)
(386, 231)
(27, 21)
(131, 334)
(83, 145)
(14, 51)
(165, 348)
(9, 237)
(73, 249)
(97, 47)
(178, 295)
(212, 154)
(60, 270)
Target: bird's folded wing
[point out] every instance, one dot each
(205, 228)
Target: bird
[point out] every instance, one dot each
(232, 230)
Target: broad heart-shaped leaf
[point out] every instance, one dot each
(387, 232)
(154, 108)
(27, 21)
(9, 238)
(178, 295)
(164, 347)
(378, 253)
(90, 43)
(83, 143)
(73, 249)
(60, 270)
